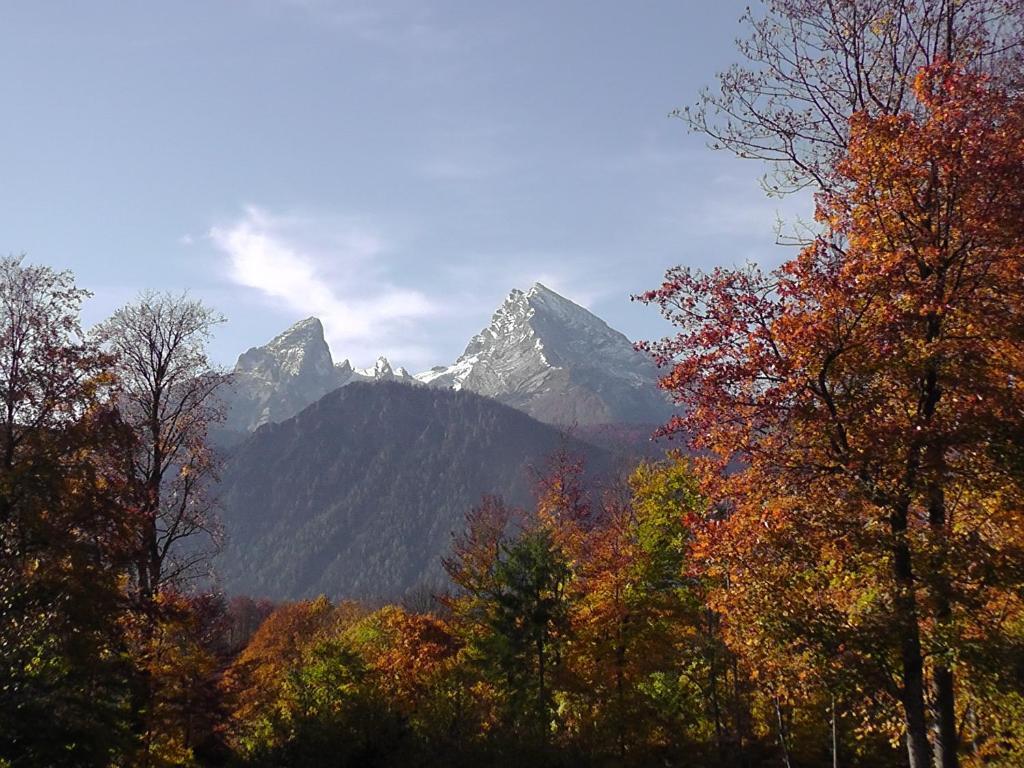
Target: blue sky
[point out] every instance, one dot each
(392, 167)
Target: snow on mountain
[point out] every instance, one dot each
(274, 382)
(558, 362)
(382, 371)
(541, 353)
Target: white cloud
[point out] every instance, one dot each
(333, 269)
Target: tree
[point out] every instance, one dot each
(65, 530)
(410, 659)
(48, 373)
(528, 624)
(167, 392)
(635, 617)
(175, 649)
(257, 680)
(810, 65)
(870, 385)
(476, 550)
(512, 606)
(244, 618)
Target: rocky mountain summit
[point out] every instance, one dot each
(274, 382)
(551, 358)
(541, 353)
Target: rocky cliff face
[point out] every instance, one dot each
(274, 382)
(558, 362)
(277, 380)
(541, 354)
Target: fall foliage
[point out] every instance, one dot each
(869, 389)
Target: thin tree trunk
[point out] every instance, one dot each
(541, 693)
(782, 734)
(716, 708)
(620, 686)
(835, 735)
(943, 693)
(739, 712)
(919, 751)
(943, 683)
(946, 741)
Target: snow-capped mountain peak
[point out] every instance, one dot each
(276, 380)
(298, 349)
(381, 369)
(541, 353)
(557, 361)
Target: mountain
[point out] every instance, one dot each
(558, 362)
(279, 379)
(358, 494)
(381, 371)
(541, 354)
(274, 382)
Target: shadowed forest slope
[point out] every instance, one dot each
(358, 495)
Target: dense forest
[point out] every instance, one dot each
(832, 574)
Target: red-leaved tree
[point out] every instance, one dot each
(872, 389)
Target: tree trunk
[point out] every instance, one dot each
(945, 719)
(542, 709)
(943, 684)
(782, 734)
(739, 712)
(716, 708)
(835, 735)
(919, 749)
(620, 686)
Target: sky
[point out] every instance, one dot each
(393, 167)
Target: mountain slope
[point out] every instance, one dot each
(558, 362)
(358, 494)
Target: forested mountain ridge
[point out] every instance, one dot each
(358, 495)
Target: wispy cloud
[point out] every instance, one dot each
(330, 268)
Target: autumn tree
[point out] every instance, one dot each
(259, 682)
(338, 685)
(49, 375)
(475, 551)
(167, 392)
(244, 618)
(411, 660)
(870, 386)
(513, 601)
(178, 706)
(638, 642)
(65, 530)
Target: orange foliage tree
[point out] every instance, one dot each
(872, 389)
